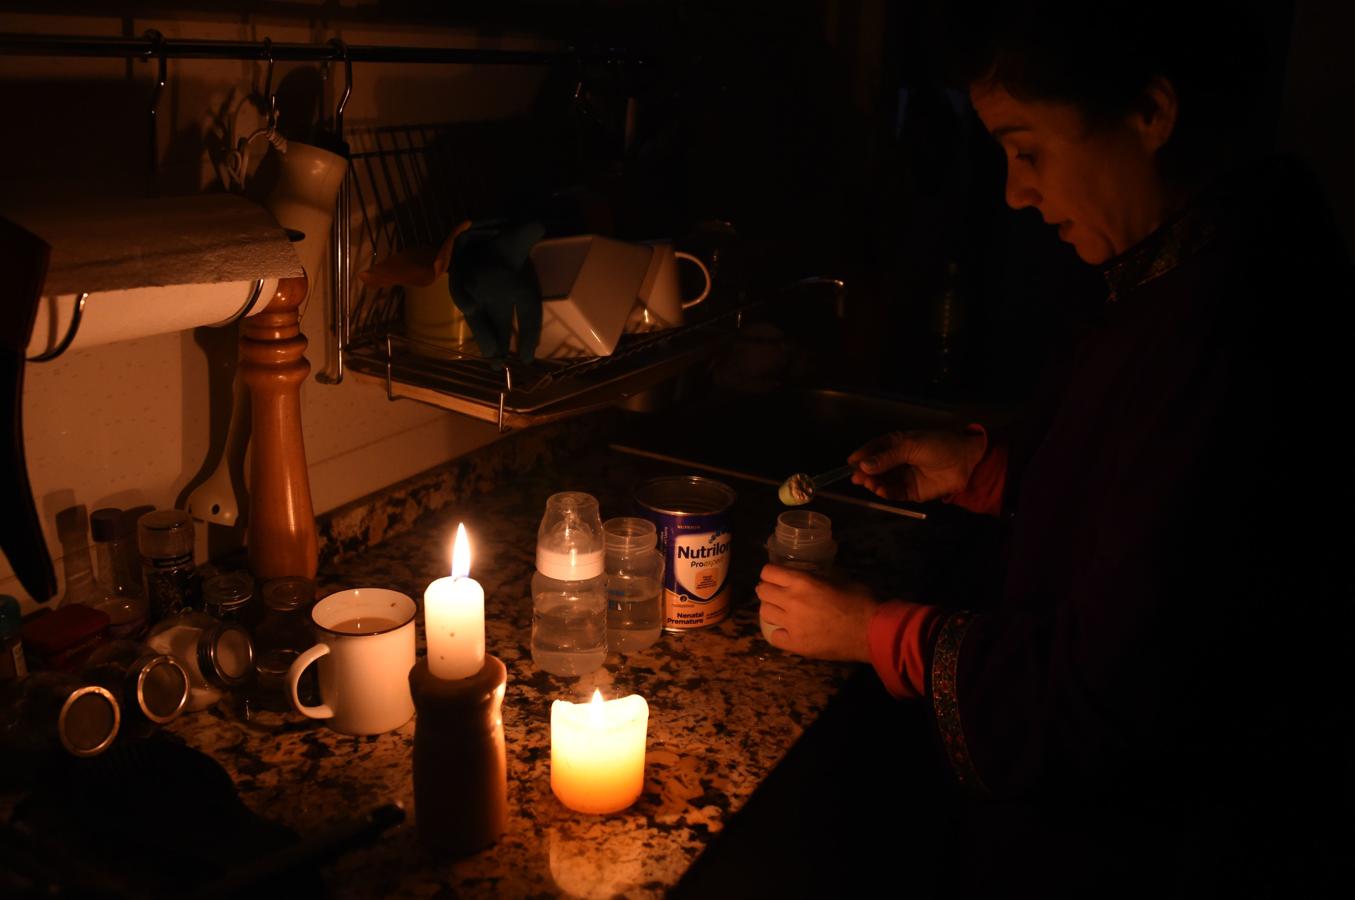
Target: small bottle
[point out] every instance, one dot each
(12, 663)
(123, 600)
(283, 634)
(165, 538)
(218, 656)
(77, 569)
(803, 540)
(634, 569)
(569, 596)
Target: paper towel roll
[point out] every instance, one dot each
(141, 312)
(153, 266)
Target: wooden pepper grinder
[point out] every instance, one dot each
(282, 538)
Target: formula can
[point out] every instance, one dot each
(691, 515)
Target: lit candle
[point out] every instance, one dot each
(454, 618)
(597, 752)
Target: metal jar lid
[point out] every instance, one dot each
(289, 593)
(226, 655)
(226, 595)
(88, 721)
(160, 685)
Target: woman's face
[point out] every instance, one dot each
(1098, 186)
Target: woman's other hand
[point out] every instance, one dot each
(811, 616)
(918, 465)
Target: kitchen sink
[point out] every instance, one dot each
(800, 429)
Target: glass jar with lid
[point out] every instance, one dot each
(165, 539)
(152, 687)
(283, 634)
(218, 656)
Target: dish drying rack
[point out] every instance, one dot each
(401, 194)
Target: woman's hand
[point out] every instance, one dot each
(918, 465)
(808, 615)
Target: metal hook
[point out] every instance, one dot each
(347, 86)
(157, 49)
(269, 100)
(70, 332)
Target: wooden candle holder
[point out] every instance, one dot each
(460, 760)
(282, 538)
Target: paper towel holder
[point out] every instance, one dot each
(71, 330)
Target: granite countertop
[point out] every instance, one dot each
(725, 706)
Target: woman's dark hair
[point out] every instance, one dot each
(1100, 55)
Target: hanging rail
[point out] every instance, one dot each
(148, 48)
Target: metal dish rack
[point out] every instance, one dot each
(403, 194)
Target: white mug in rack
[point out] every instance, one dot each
(303, 199)
(364, 670)
(660, 297)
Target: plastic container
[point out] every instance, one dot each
(634, 568)
(803, 540)
(569, 596)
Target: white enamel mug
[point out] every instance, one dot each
(365, 652)
(660, 296)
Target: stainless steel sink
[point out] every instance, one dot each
(790, 430)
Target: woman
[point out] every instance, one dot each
(1162, 651)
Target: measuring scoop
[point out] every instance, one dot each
(799, 489)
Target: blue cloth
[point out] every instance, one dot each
(491, 279)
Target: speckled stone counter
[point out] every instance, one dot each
(724, 705)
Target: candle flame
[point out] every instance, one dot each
(461, 553)
(595, 709)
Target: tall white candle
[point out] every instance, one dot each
(454, 618)
(597, 752)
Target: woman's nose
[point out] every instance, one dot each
(1020, 193)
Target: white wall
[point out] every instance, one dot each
(129, 423)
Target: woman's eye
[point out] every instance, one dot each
(1026, 157)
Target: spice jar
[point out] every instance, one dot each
(165, 539)
(283, 634)
(227, 598)
(151, 687)
(12, 664)
(217, 655)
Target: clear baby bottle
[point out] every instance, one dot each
(634, 579)
(569, 599)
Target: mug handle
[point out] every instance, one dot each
(688, 304)
(323, 711)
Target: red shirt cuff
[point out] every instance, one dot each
(983, 493)
(900, 636)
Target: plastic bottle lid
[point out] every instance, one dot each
(627, 534)
(105, 524)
